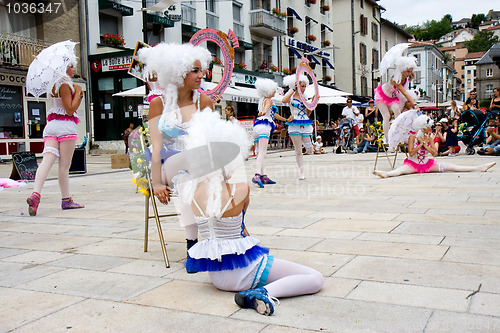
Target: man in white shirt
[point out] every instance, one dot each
(348, 111)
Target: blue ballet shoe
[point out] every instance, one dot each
(258, 180)
(257, 299)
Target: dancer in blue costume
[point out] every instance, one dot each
(264, 126)
(300, 127)
(235, 261)
(179, 70)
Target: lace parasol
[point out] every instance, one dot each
(402, 127)
(50, 66)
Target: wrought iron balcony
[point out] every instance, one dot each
(19, 51)
(212, 21)
(265, 23)
(239, 30)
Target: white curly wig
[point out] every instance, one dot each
(205, 128)
(265, 87)
(420, 123)
(402, 64)
(170, 63)
(290, 80)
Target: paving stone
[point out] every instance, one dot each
(398, 250)
(37, 257)
(354, 224)
(452, 322)
(418, 296)
(24, 306)
(98, 316)
(486, 304)
(96, 263)
(399, 238)
(94, 284)
(449, 229)
(13, 274)
(473, 256)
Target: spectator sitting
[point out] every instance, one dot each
(363, 142)
(471, 103)
(454, 111)
(492, 146)
(318, 146)
(442, 130)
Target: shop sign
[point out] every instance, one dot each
(116, 63)
(302, 46)
(243, 78)
(12, 78)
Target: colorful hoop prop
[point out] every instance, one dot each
(226, 43)
(305, 68)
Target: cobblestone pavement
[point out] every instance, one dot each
(417, 253)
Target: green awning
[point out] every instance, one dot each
(189, 29)
(123, 10)
(160, 19)
(245, 45)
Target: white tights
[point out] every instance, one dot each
(405, 169)
(386, 115)
(261, 155)
(297, 144)
(287, 279)
(66, 149)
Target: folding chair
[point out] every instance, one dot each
(382, 149)
(155, 215)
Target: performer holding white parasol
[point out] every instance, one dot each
(51, 73)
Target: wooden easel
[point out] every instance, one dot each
(382, 149)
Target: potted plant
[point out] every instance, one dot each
(216, 61)
(327, 78)
(286, 71)
(325, 8)
(277, 12)
(240, 65)
(311, 37)
(293, 70)
(311, 2)
(113, 39)
(273, 68)
(326, 43)
(293, 30)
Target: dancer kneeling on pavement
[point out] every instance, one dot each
(208, 179)
(300, 128)
(419, 146)
(264, 126)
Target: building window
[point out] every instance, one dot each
(374, 32)
(18, 24)
(475, 73)
(362, 3)
(237, 25)
(210, 6)
(386, 45)
(11, 113)
(417, 57)
(363, 25)
(362, 53)
(108, 23)
(374, 11)
(469, 71)
(308, 25)
(418, 77)
(375, 59)
(364, 86)
(489, 72)
(489, 91)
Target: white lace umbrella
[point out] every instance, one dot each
(402, 127)
(49, 66)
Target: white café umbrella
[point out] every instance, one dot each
(49, 66)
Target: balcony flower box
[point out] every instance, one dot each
(113, 39)
(273, 68)
(277, 12)
(326, 43)
(311, 2)
(216, 61)
(327, 78)
(293, 30)
(311, 38)
(286, 71)
(325, 8)
(240, 65)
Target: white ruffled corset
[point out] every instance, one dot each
(57, 107)
(221, 236)
(421, 157)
